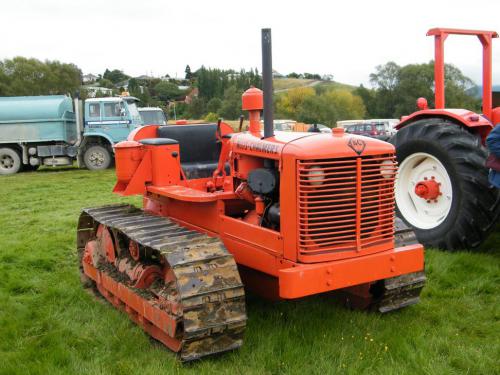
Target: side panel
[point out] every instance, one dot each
(200, 216)
(58, 131)
(252, 246)
(258, 237)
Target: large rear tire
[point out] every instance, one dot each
(10, 161)
(464, 209)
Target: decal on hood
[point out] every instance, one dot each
(357, 144)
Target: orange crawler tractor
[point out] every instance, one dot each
(286, 215)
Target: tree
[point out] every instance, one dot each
(211, 117)
(347, 106)
(115, 75)
(214, 105)
(287, 104)
(397, 88)
(189, 75)
(197, 109)
(168, 91)
(231, 105)
(22, 76)
(133, 86)
(368, 97)
(413, 81)
(457, 86)
(386, 76)
(293, 75)
(103, 82)
(312, 76)
(315, 110)
(385, 80)
(325, 106)
(212, 83)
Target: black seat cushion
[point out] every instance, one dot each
(158, 141)
(198, 147)
(197, 143)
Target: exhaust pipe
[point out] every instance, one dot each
(78, 107)
(267, 82)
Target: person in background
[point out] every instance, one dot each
(314, 129)
(493, 161)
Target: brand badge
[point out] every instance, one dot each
(358, 145)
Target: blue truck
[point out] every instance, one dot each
(56, 130)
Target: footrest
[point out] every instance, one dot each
(183, 193)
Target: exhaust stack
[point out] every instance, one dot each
(267, 82)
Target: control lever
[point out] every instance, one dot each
(242, 118)
(218, 133)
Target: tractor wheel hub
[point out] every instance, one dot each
(428, 189)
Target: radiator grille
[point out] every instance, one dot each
(345, 205)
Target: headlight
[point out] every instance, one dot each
(387, 169)
(315, 177)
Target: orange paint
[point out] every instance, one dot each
(336, 204)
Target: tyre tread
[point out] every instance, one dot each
(479, 208)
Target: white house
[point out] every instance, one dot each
(93, 90)
(89, 78)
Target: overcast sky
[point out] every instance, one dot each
(344, 38)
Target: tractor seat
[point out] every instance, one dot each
(198, 146)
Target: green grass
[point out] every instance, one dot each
(337, 86)
(290, 83)
(49, 325)
(280, 84)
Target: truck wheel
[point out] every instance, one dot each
(442, 188)
(10, 161)
(97, 157)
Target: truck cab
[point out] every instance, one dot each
(152, 116)
(112, 118)
(106, 121)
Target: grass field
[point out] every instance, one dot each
(281, 84)
(49, 325)
(290, 83)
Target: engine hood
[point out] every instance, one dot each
(307, 146)
(335, 145)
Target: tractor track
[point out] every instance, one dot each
(203, 294)
(400, 291)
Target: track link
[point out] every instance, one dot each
(393, 293)
(196, 307)
(401, 291)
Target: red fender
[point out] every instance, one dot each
(473, 121)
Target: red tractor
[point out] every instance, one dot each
(442, 189)
(287, 215)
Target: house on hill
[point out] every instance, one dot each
(193, 94)
(93, 90)
(89, 78)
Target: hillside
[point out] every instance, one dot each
(477, 91)
(284, 84)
